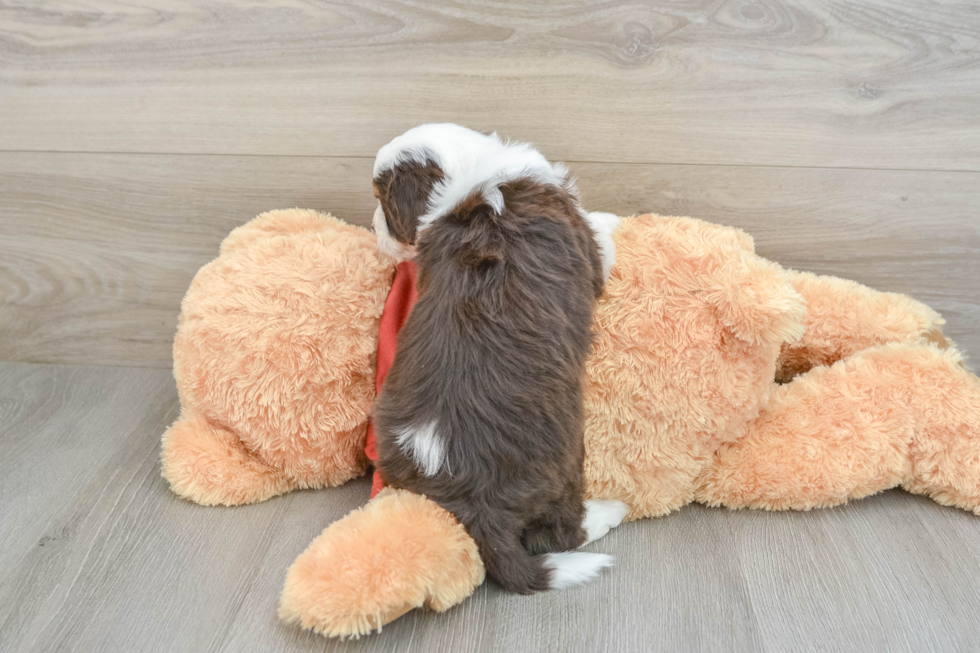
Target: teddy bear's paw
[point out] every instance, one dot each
(399, 552)
(601, 516)
(209, 465)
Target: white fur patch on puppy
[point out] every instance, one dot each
(452, 147)
(510, 162)
(424, 446)
(569, 569)
(386, 242)
(602, 515)
(604, 225)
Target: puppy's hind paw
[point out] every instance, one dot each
(602, 515)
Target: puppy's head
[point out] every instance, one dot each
(409, 169)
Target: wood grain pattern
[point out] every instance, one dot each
(876, 83)
(97, 250)
(98, 555)
(896, 231)
(867, 579)
(843, 135)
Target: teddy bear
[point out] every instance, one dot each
(715, 376)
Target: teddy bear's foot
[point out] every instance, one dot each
(210, 466)
(843, 317)
(895, 415)
(399, 552)
(824, 438)
(945, 452)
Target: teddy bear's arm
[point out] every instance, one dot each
(843, 317)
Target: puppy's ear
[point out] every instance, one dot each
(480, 244)
(403, 192)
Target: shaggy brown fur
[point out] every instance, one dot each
(493, 355)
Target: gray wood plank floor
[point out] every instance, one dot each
(96, 554)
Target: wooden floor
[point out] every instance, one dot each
(844, 135)
(98, 555)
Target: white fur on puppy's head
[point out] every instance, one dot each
(451, 147)
(509, 162)
(470, 162)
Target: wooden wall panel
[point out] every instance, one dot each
(96, 250)
(877, 83)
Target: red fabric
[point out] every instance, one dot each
(397, 307)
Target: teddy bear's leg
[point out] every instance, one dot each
(844, 317)
(892, 415)
(399, 552)
(209, 465)
(824, 438)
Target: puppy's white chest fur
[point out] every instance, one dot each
(424, 446)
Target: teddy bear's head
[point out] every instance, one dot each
(277, 344)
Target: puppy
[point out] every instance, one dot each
(482, 408)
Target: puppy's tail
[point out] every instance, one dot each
(514, 569)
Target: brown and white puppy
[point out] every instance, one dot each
(482, 408)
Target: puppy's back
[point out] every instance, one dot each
(481, 410)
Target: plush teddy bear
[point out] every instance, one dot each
(716, 376)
